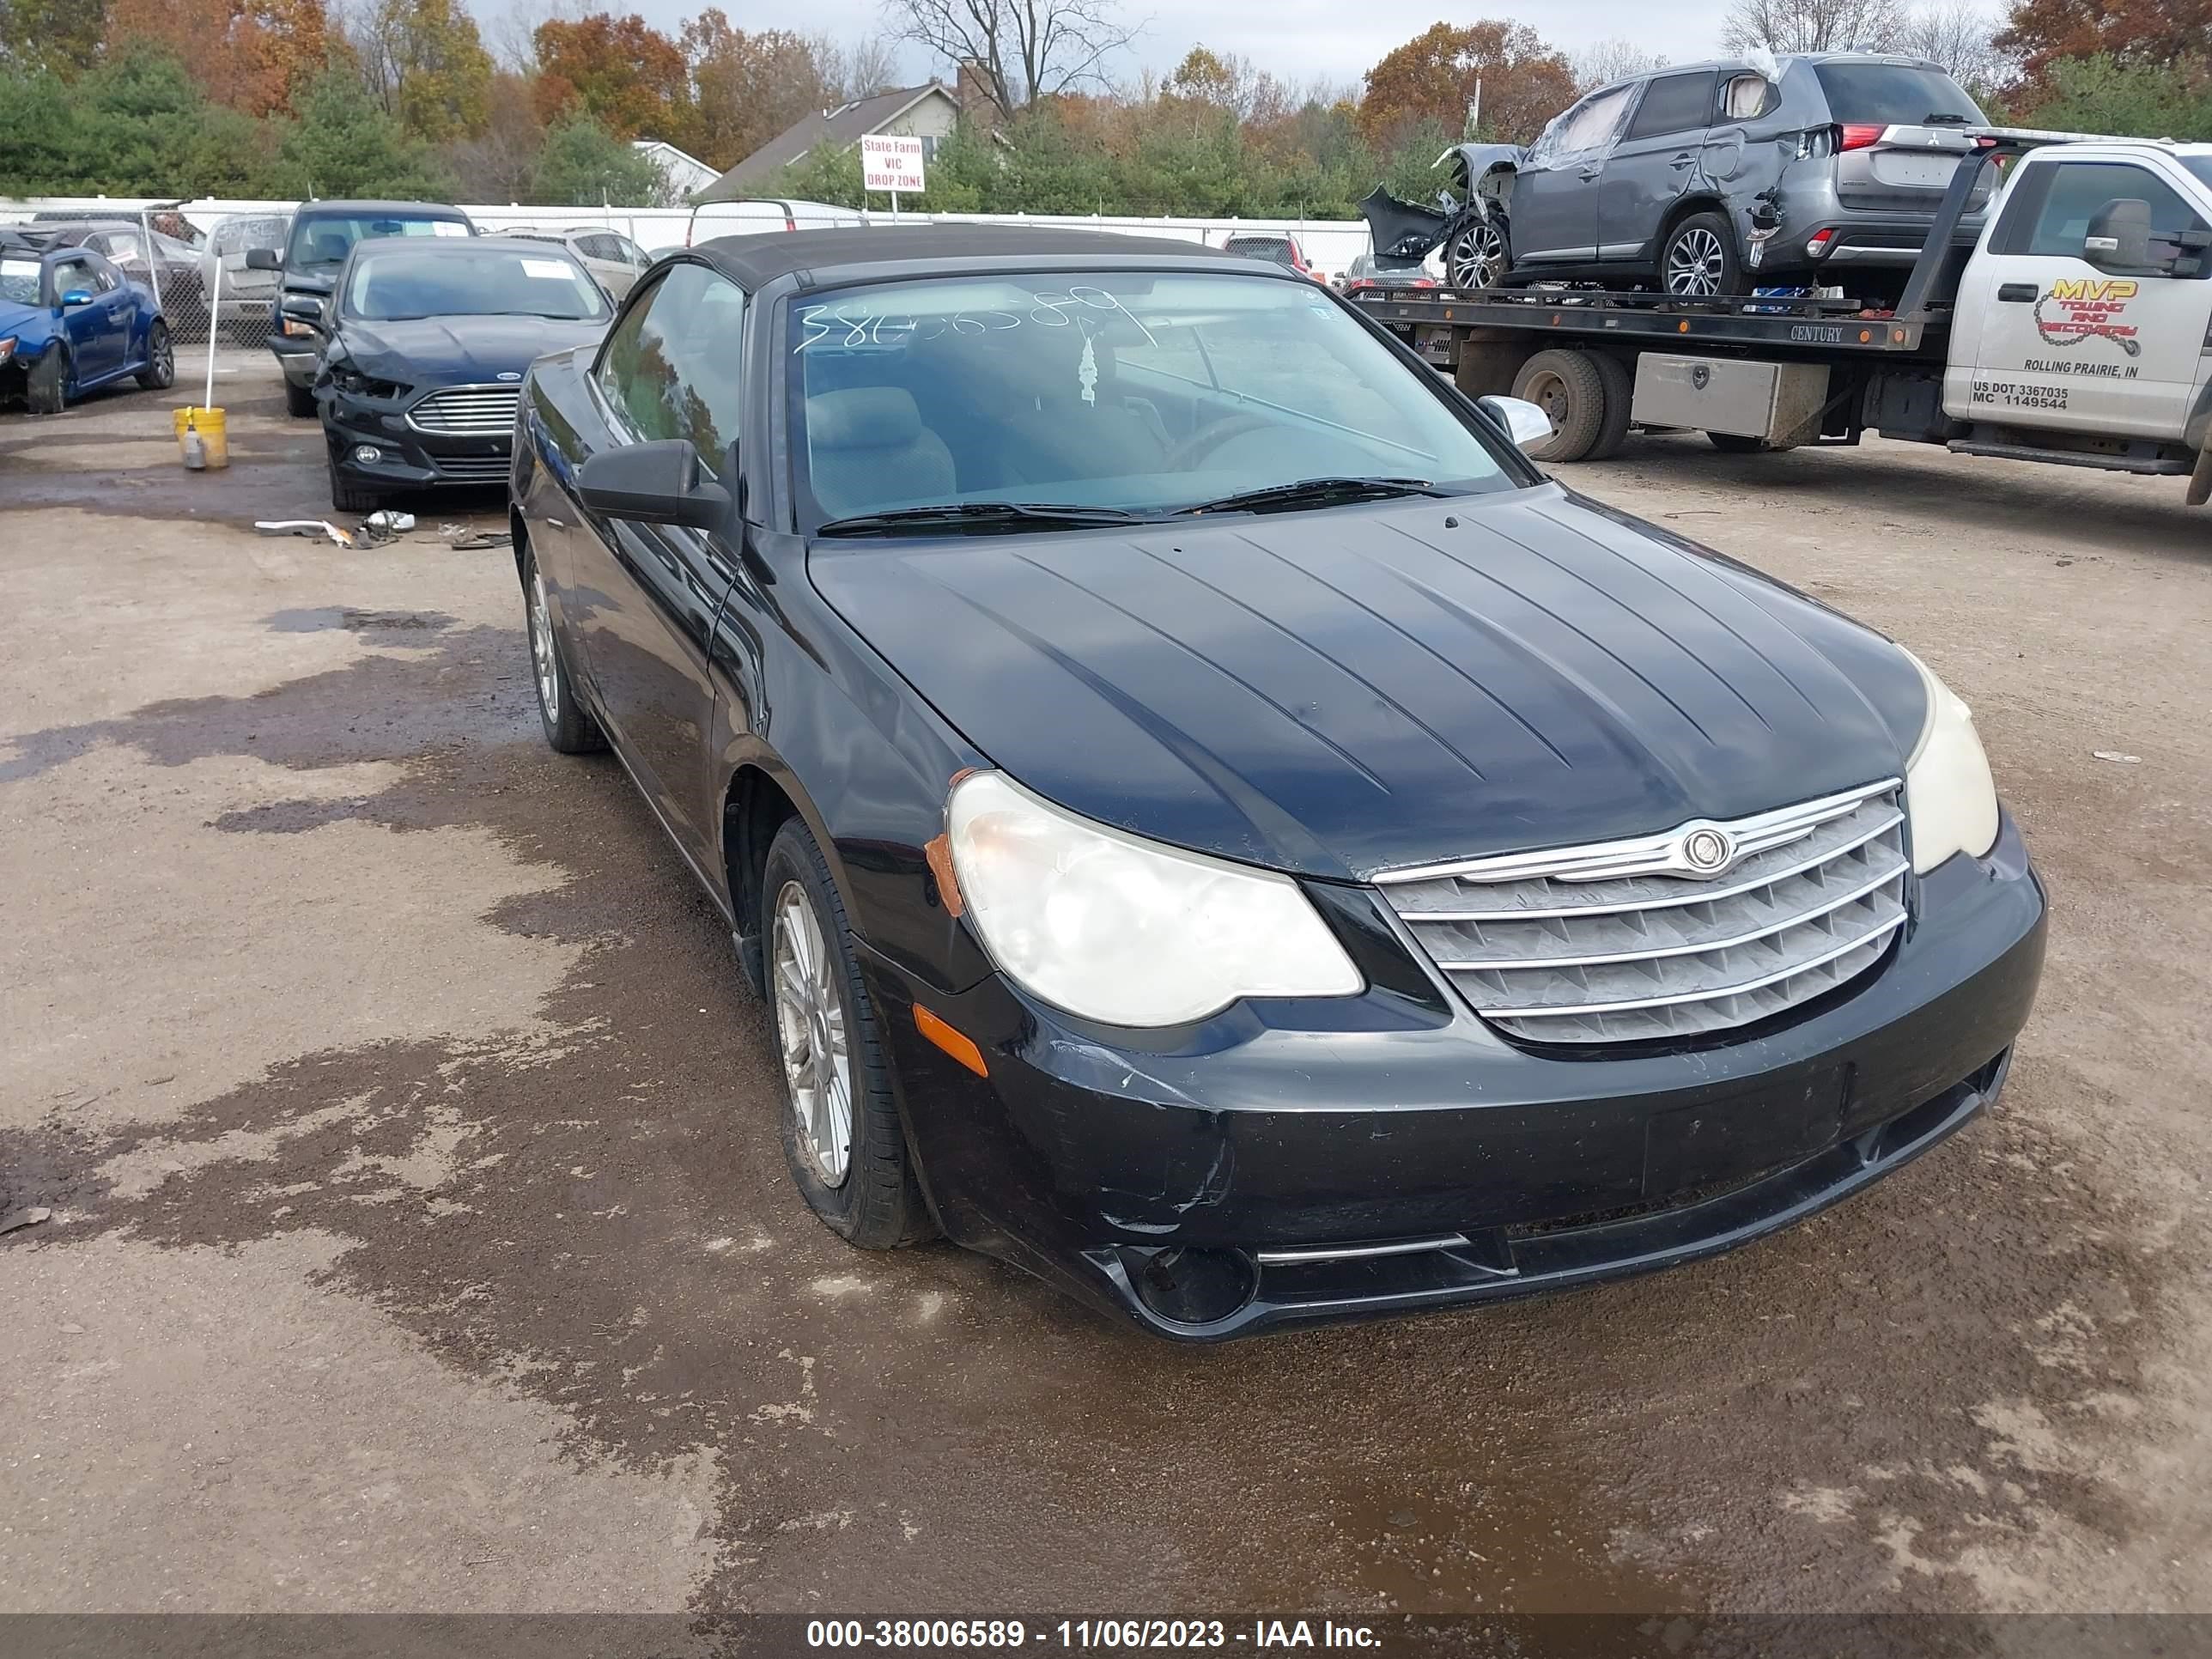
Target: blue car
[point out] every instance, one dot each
(70, 322)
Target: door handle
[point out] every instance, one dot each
(1588, 174)
(1682, 161)
(2017, 293)
(558, 524)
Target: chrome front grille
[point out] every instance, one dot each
(468, 411)
(1633, 940)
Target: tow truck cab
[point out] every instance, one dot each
(2087, 308)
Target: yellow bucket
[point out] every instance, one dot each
(201, 440)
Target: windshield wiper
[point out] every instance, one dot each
(979, 512)
(1315, 492)
(1948, 121)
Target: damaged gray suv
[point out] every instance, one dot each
(1709, 178)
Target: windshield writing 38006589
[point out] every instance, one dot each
(855, 324)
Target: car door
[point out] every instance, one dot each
(2062, 332)
(94, 330)
(1654, 162)
(1554, 207)
(649, 594)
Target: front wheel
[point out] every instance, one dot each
(346, 496)
(1476, 257)
(569, 729)
(46, 387)
(1698, 261)
(841, 1135)
(160, 371)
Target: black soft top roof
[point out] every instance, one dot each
(754, 260)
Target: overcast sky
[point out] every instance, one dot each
(1296, 40)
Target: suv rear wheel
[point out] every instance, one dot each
(1698, 258)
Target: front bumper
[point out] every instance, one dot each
(409, 457)
(1292, 1162)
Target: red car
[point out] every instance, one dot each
(1276, 247)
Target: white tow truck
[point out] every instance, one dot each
(2075, 329)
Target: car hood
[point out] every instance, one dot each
(1343, 692)
(13, 317)
(459, 350)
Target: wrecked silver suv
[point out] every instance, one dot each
(1707, 179)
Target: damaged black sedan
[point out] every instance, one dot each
(1214, 825)
(428, 339)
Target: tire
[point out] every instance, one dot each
(299, 401)
(1698, 258)
(1620, 395)
(1571, 389)
(569, 729)
(348, 496)
(1736, 443)
(160, 371)
(871, 1198)
(46, 387)
(1476, 257)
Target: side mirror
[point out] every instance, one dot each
(1527, 424)
(654, 483)
(262, 258)
(2119, 234)
(302, 309)
(77, 296)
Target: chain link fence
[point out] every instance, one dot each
(194, 265)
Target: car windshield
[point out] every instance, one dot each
(2199, 165)
(389, 284)
(236, 235)
(1902, 94)
(1134, 392)
(327, 241)
(19, 281)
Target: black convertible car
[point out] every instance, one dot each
(1215, 826)
(424, 343)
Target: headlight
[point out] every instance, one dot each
(1125, 931)
(1949, 795)
(7, 348)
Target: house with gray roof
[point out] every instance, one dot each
(928, 113)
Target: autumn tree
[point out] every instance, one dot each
(2041, 32)
(248, 54)
(424, 61)
(746, 88)
(1020, 50)
(626, 74)
(1433, 77)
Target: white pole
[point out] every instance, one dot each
(214, 311)
(894, 207)
(152, 265)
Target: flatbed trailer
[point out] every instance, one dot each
(1761, 371)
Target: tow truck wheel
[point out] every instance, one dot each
(1572, 390)
(1619, 394)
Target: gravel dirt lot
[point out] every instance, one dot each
(420, 1238)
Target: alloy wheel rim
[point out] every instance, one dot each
(1476, 253)
(1694, 263)
(165, 360)
(810, 1020)
(541, 649)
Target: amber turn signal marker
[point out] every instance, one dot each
(949, 1040)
